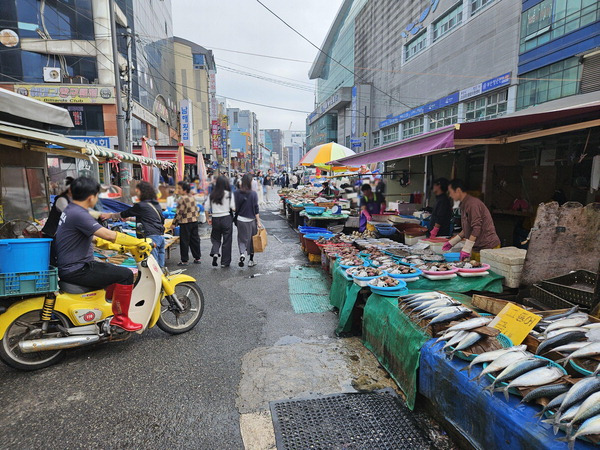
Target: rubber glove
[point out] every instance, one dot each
(107, 245)
(367, 215)
(451, 243)
(465, 253)
(128, 241)
(434, 232)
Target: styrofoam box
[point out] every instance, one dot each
(511, 256)
(511, 273)
(349, 195)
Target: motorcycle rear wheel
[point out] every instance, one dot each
(17, 331)
(173, 321)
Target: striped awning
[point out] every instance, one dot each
(45, 141)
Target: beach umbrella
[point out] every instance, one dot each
(320, 155)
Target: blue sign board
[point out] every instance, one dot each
(101, 141)
(451, 99)
(224, 142)
(495, 83)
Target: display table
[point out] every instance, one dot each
(324, 219)
(485, 420)
(168, 244)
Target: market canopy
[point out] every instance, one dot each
(574, 112)
(47, 142)
(28, 108)
(320, 156)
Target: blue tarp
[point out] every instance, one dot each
(486, 420)
(112, 206)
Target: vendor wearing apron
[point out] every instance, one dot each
(370, 203)
(476, 221)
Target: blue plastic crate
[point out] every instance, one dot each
(28, 283)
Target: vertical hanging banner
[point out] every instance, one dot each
(180, 162)
(185, 117)
(354, 112)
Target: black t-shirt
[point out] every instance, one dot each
(73, 240)
(148, 214)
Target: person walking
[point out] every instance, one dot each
(246, 219)
(186, 217)
(220, 205)
(148, 217)
(294, 181)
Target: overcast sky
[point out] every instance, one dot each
(245, 26)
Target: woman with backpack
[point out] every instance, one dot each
(246, 219)
(219, 206)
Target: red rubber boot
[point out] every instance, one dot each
(120, 306)
(110, 289)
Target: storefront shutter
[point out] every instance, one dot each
(590, 78)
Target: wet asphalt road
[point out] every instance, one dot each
(157, 390)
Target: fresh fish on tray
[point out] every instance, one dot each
(537, 377)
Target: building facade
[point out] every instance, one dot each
(195, 72)
(335, 78)
(559, 50)
(273, 140)
(294, 144)
(62, 54)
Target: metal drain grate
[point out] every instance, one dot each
(376, 420)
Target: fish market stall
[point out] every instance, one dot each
(486, 420)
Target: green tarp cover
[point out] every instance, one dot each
(490, 283)
(395, 340)
(343, 296)
(309, 290)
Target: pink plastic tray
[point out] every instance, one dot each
(483, 268)
(445, 272)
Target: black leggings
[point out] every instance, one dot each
(98, 275)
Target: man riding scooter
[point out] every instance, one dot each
(77, 230)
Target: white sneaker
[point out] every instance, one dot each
(251, 263)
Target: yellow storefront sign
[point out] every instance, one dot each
(515, 322)
(61, 93)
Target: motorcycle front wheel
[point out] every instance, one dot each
(28, 326)
(174, 321)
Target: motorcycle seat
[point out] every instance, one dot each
(70, 288)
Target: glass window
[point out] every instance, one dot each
(198, 60)
(376, 138)
(443, 117)
(541, 24)
(476, 5)
(67, 19)
(413, 127)
(390, 134)
(549, 83)
(23, 193)
(415, 46)
(487, 107)
(448, 22)
(88, 120)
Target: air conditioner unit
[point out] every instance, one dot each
(52, 75)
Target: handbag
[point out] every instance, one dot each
(259, 240)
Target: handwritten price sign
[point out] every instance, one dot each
(515, 322)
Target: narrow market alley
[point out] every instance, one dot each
(209, 388)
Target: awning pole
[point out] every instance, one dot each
(425, 176)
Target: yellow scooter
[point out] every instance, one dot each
(35, 331)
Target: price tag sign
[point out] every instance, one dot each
(515, 322)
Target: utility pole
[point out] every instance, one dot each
(128, 131)
(120, 116)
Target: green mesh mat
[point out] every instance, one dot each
(309, 290)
